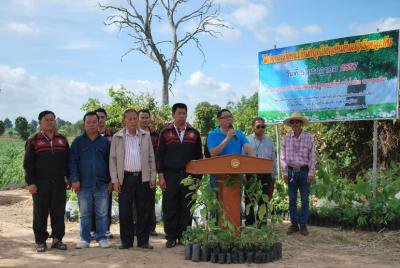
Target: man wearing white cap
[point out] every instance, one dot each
(298, 158)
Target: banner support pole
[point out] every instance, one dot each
(375, 157)
(278, 152)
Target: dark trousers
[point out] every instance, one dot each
(153, 220)
(50, 199)
(268, 189)
(93, 228)
(175, 205)
(133, 191)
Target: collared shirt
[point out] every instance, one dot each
(107, 133)
(45, 158)
(89, 161)
(132, 152)
(181, 134)
(298, 152)
(234, 146)
(174, 154)
(264, 148)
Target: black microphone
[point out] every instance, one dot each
(234, 135)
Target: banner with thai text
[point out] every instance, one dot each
(352, 78)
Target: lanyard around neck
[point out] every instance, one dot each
(181, 134)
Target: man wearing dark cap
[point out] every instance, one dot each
(46, 169)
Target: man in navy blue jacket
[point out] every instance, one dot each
(90, 177)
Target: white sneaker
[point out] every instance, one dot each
(104, 243)
(82, 244)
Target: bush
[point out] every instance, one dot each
(11, 159)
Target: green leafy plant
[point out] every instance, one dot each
(254, 191)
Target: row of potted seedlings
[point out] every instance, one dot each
(252, 245)
(366, 224)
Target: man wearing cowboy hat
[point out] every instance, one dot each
(298, 158)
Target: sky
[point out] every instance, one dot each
(55, 54)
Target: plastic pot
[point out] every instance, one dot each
(205, 253)
(196, 252)
(188, 251)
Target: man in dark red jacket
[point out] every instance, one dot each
(179, 143)
(46, 169)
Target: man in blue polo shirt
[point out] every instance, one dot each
(225, 139)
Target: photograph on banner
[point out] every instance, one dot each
(352, 78)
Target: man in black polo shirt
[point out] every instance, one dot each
(178, 144)
(46, 169)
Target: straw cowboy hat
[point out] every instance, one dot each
(296, 116)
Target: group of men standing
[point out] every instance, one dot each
(127, 162)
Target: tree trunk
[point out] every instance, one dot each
(165, 89)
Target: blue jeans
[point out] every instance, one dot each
(93, 198)
(298, 181)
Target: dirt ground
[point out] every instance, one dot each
(324, 247)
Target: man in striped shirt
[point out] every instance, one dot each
(298, 158)
(133, 173)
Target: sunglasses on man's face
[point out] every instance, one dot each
(260, 126)
(292, 122)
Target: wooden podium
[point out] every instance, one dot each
(226, 166)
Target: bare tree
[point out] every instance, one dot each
(140, 18)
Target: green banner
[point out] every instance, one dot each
(352, 78)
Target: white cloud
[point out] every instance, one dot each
(21, 28)
(113, 28)
(286, 32)
(200, 87)
(312, 29)
(250, 15)
(26, 95)
(199, 79)
(383, 24)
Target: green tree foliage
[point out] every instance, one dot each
(21, 126)
(71, 130)
(2, 127)
(60, 123)
(123, 99)
(244, 111)
(8, 123)
(33, 126)
(205, 117)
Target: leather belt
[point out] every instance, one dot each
(134, 174)
(303, 168)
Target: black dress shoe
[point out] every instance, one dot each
(125, 246)
(146, 246)
(170, 244)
